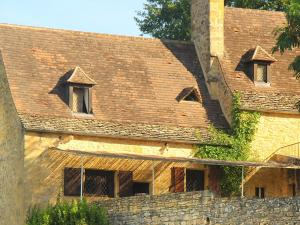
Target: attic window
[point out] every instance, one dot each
(80, 100)
(192, 97)
(189, 94)
(80, 91)
(262, 73)
(260, 61)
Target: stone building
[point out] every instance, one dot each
(113, 116)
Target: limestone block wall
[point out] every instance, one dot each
(200, 208)
(11, 158)
(276, 131)
(276, 183)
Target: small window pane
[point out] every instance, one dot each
(99, 183)
(194, 180)
(261, 74)
(80, 100)
(260, 192)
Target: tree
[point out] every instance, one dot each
(288, 37)
(170, 19)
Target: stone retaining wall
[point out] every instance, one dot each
(201, 208)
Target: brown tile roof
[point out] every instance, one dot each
(137, 79)
(245, 29)
(92, 127)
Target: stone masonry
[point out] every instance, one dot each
(11, 157)
(201, 208)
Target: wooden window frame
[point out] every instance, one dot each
(260, 192)
(268, 71)
(76, 193)
(90, 97)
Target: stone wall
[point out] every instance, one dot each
(11, 157)
(276, 131)
(200, 208)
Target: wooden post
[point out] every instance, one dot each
(153, 178)
(81, 178)
(242, 194)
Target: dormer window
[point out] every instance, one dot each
(192, 97)
(189, 94)
(262, 73)
(81, 100)
(80, 92)
(260, 61)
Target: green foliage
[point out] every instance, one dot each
(171, 19)
(75, 213)
(288, 37)
(167, 19)
(277, 5)
(237, 145)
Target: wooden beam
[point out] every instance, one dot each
(177, 159)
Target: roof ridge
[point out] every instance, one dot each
(254, 10)
(92, 33)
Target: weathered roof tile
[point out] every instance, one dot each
(137, 79)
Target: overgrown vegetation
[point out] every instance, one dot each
(234, 145)
(74, 213)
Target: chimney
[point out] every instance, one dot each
(208, 30)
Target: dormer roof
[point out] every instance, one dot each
(80, 77)
(259, 54)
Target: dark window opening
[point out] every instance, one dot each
(72, 181)
(294, 191)
(194, 180)
(140, 188)
(192, 97)
(260, 192)
(262, 73)
(99, 183)
(80, 100)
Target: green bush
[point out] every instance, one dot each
(65, 213)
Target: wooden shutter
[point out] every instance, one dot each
(72, 181)
(215, 175)
(177, 179)
(90, 109)
(125, 183)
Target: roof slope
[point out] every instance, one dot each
(137, 79)
(245, 29)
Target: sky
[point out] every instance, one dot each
(101, 16)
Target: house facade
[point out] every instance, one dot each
(100, 116)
